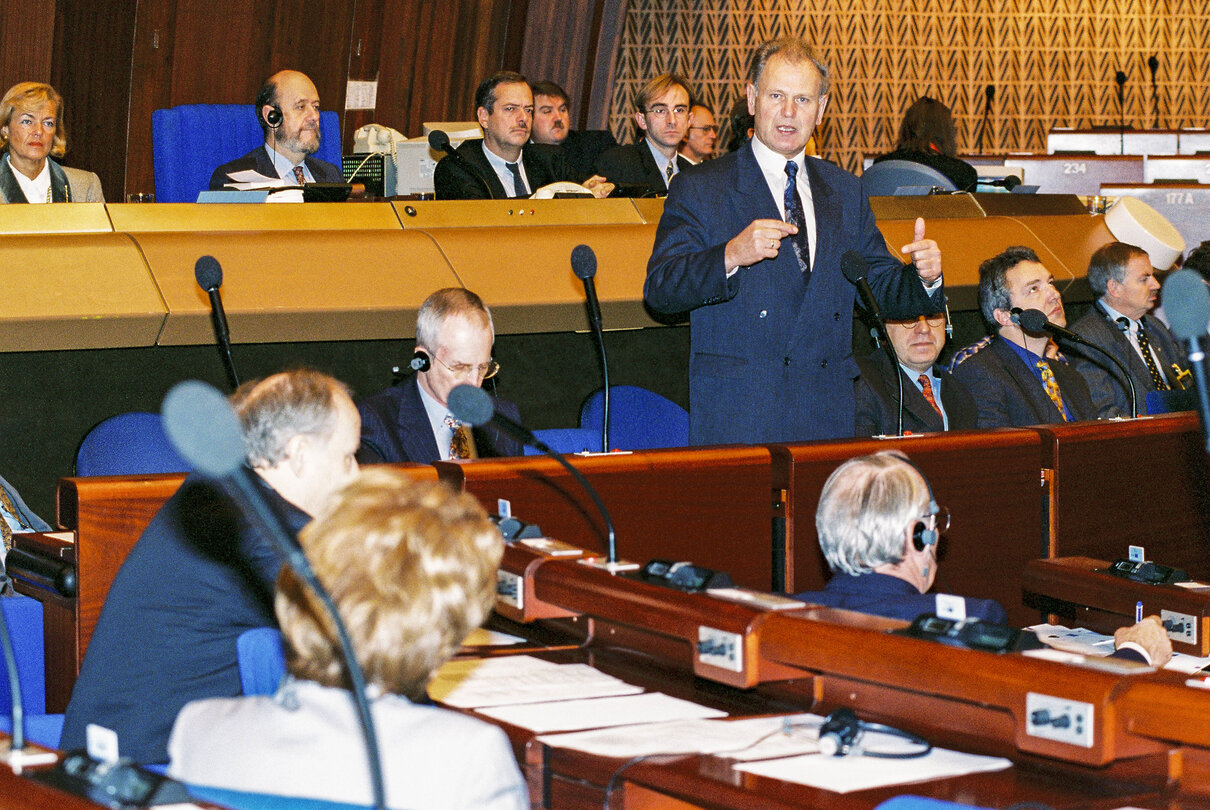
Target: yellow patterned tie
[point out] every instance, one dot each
(1052, 387)
(6, 531)
(462, 443)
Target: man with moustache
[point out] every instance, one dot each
(287, 109)
(1123, 280)
(750, 245)
(552, 126)
(1012, 378)
(702, 135)
(662, 115)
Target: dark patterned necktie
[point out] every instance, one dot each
(518, 184)
(1157, 379)
(299, 176)
(669, 172)
(795, 216)
(926, 388)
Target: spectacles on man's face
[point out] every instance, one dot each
(662, 110)
(707, 128)
(940, 522)
(911, 323)
(483, 371)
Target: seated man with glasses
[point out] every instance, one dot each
(662, 115)
(933, 400)
(702, 135)
(410, 421)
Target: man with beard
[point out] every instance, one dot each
(287, 109)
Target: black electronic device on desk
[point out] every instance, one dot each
(971, 634)
(326, 192)
(684, 576)
(1147, 572)
(113, 784)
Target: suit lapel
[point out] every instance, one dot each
(655, 178)
(1030, 387)
(8, 185)
(417, 433)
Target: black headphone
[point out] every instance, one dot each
(274, 117)
(420, 361)
(842, 730)
(922, 535)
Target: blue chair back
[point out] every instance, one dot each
(24, 617)
(909, 802)
(190, 141)
(638, 419)
(262, 663)
(568, 440)
(886, 178)
(242, 800)
(128, 444)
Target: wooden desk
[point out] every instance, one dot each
(1076, 589)
(712, 506)
(1110, 141)
(990, 480)
(1138, 482)
(1077, 174)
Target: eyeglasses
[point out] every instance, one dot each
(910, 323)
(940, 521)
(482, 371)
(662, 110)
(709, 128)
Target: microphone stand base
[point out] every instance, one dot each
(603, 563)
(27, 757)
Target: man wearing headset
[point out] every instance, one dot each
(411, 421)
(878, 525)
(287, 109)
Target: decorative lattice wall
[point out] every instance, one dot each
(1052, 62)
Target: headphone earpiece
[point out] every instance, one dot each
(420, 361)
(274, 117)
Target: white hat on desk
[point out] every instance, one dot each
(1134, 222)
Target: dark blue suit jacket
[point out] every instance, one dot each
(885, 595)
(1110, 394)
(878, 401)
(258, 159)
(197, 578)
(1009, 395)
(395, 428)
(771, 358)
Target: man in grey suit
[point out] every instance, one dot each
(1015, 378)
(1123, 280)
(287, 109)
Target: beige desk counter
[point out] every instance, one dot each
(428, 214)
(195, 218)
(58, 218)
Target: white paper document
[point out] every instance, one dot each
(747, 739)
(846, 774)
(482, 637)
(520, 679)
(567, 715)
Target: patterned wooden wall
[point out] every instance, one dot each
(1052, 62)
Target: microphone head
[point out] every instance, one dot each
(209, 273)
(1011, 181)
(439, 141)
(471, 404)
(583, 262)
(1120, 78)
(1187, 304)
(203, 428)
(990, 92)
(1153, 63)
(1033, 320)
(853, 265)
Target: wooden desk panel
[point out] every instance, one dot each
(990, 480)
(247, 217)
(73, 218)
(1110, 141)
(1141, 482)
(711, 506)
(1077, 174)
(431, 214)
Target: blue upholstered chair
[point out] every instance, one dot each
(189, 142)
(891, 177)
(909, 802)
(638, 419)
(240, 800)
(567, 440)
(262, 663)
(128, 444)
(24, 618)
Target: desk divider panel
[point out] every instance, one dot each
(1141, 482)
(246, 217)
(282, 286)
(710, 506)
(74, 218)
(431, 214)
(990, 480)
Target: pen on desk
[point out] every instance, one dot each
(1138, 611)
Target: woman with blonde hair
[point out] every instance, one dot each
(31, 131)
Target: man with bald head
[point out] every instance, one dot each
(287, 109)
(750, 246)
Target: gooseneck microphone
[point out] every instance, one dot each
(1120, 78)
(16, 748)
(1153, 64)
(473, 405)
(1187, 304)
(1035, 321)
(584, 265)
(989, 95)
(440, 142)
(854, 267)
(209, 275)
(205, 430)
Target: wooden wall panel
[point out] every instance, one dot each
(26, 31)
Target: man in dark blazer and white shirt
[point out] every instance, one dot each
(1123, 280)
(411, 421)
(1015, 378)
(933, 400)
(287, 109)
(770, 312)
(662, 115)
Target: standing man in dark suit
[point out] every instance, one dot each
(750, 245)
(933, 400)
(411, 421)
(287, 109)
(1013, 377)
(1123, 280)
(552, 126)
(662, 115)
